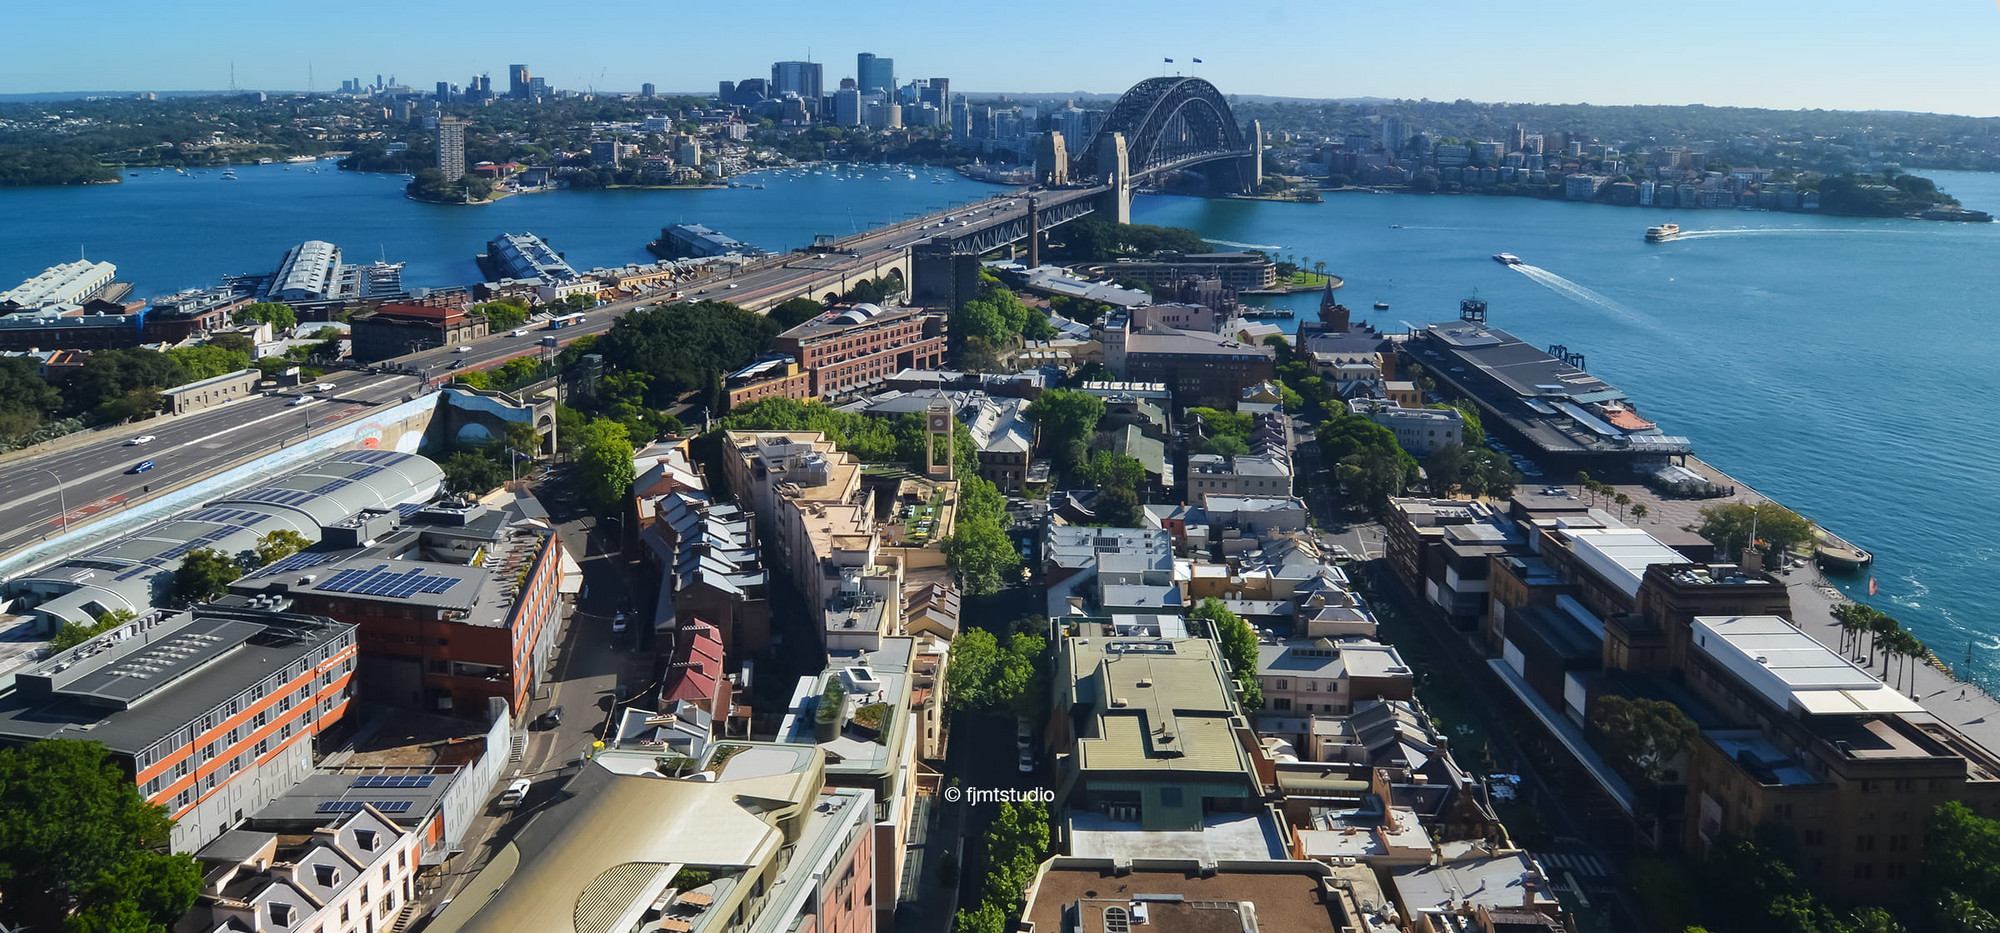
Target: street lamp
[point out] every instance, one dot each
(62, 497)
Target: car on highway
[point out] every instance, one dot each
(302, 400)
(730, 285)
(321, 387)
(463, 350)
(518, 332)
(141, 439)
(516, 792)
(141, 467)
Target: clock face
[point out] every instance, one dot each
(939, 422)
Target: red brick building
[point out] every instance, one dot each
(455, 606)
(397, 329)
(843, 350)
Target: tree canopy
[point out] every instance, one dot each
(80, 850)
(1239, 647)
(204, 574)
(1066, 419)
(984, 673)
(604, 464)
(1642, 735)
(1729, 527)
(280, 316)
(677, 346)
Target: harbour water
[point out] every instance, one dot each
(1840, 365)
(167, 231)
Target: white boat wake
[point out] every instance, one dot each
(1585, 295)
(1239, 245)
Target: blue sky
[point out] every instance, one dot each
(1836, 54)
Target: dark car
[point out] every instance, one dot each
(142, 467)
(552, 717)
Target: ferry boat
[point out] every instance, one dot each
(1381, 306)
(1662, 233)
(1507, 259)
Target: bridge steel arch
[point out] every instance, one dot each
(1167, 123)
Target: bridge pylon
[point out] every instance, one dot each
(1114, 160)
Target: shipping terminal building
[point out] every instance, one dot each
(1571, 419)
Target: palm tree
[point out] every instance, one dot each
(1882, 630)
(1623, 500)
(1849, 617)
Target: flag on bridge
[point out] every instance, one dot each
(1871, 586)
(1197, 61)
(1170, 61)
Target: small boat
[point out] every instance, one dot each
(1395, 226)
(1662, 233)
(1507, 259)
(1381, 306)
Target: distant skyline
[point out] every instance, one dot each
(1784, 54)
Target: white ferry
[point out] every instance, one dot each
(1662, 233)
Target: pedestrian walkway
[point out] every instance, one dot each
(1576, 863)
(1962, 705)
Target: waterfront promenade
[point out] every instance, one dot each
(1962, 704)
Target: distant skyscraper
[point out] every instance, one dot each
(874, 75)
(444, 90)
(937, 94)
(801, 78)
(451, 148)
(538, 88)
(1518, 139)
(517, 82)
(1395, 133)
(847, 106)
(726, 91)
(646, 90)
(481, 87)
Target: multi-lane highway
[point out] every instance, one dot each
(97, 477)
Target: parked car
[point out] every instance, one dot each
(618, 623)
(516, 791)
(1027, 763)
(141, 439)
(1024, 736)
(141, 467)
(552, 717)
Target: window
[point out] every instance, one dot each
(1863, 871)
(281, 914)
(1116, 920)
(1281, 703)
(1281, 684)
(328, 876)
(1864, 843)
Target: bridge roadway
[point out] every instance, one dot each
(96, 474)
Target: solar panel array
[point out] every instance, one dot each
(394, 780)
(378, 581)
(298, 561)
(354, 806)
(331, 485)
(373, 456)
(277, 496)
(223, 514)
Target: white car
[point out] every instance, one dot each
(618, 623)
(302, 400)
(141, 439)
(519, 332)
(1027, 763)
(463, 350)
(516, 792)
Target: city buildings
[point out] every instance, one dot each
(842, 351)
(874, 74)
(451, 148)
(212, 710)
(1243, 270)
(682, 241)
(1199, 368)
(999, 426)
(135, 571)
(360, 870)
(455, 603)
(1159, 747)
(314, 271)
(802, 79)
(746, 837)
(68, 283)
(397, 329)
(517, 82)
(523, 256)
(860, 713)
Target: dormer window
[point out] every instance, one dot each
(328, 876)
(281, 914)
(367, 839)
